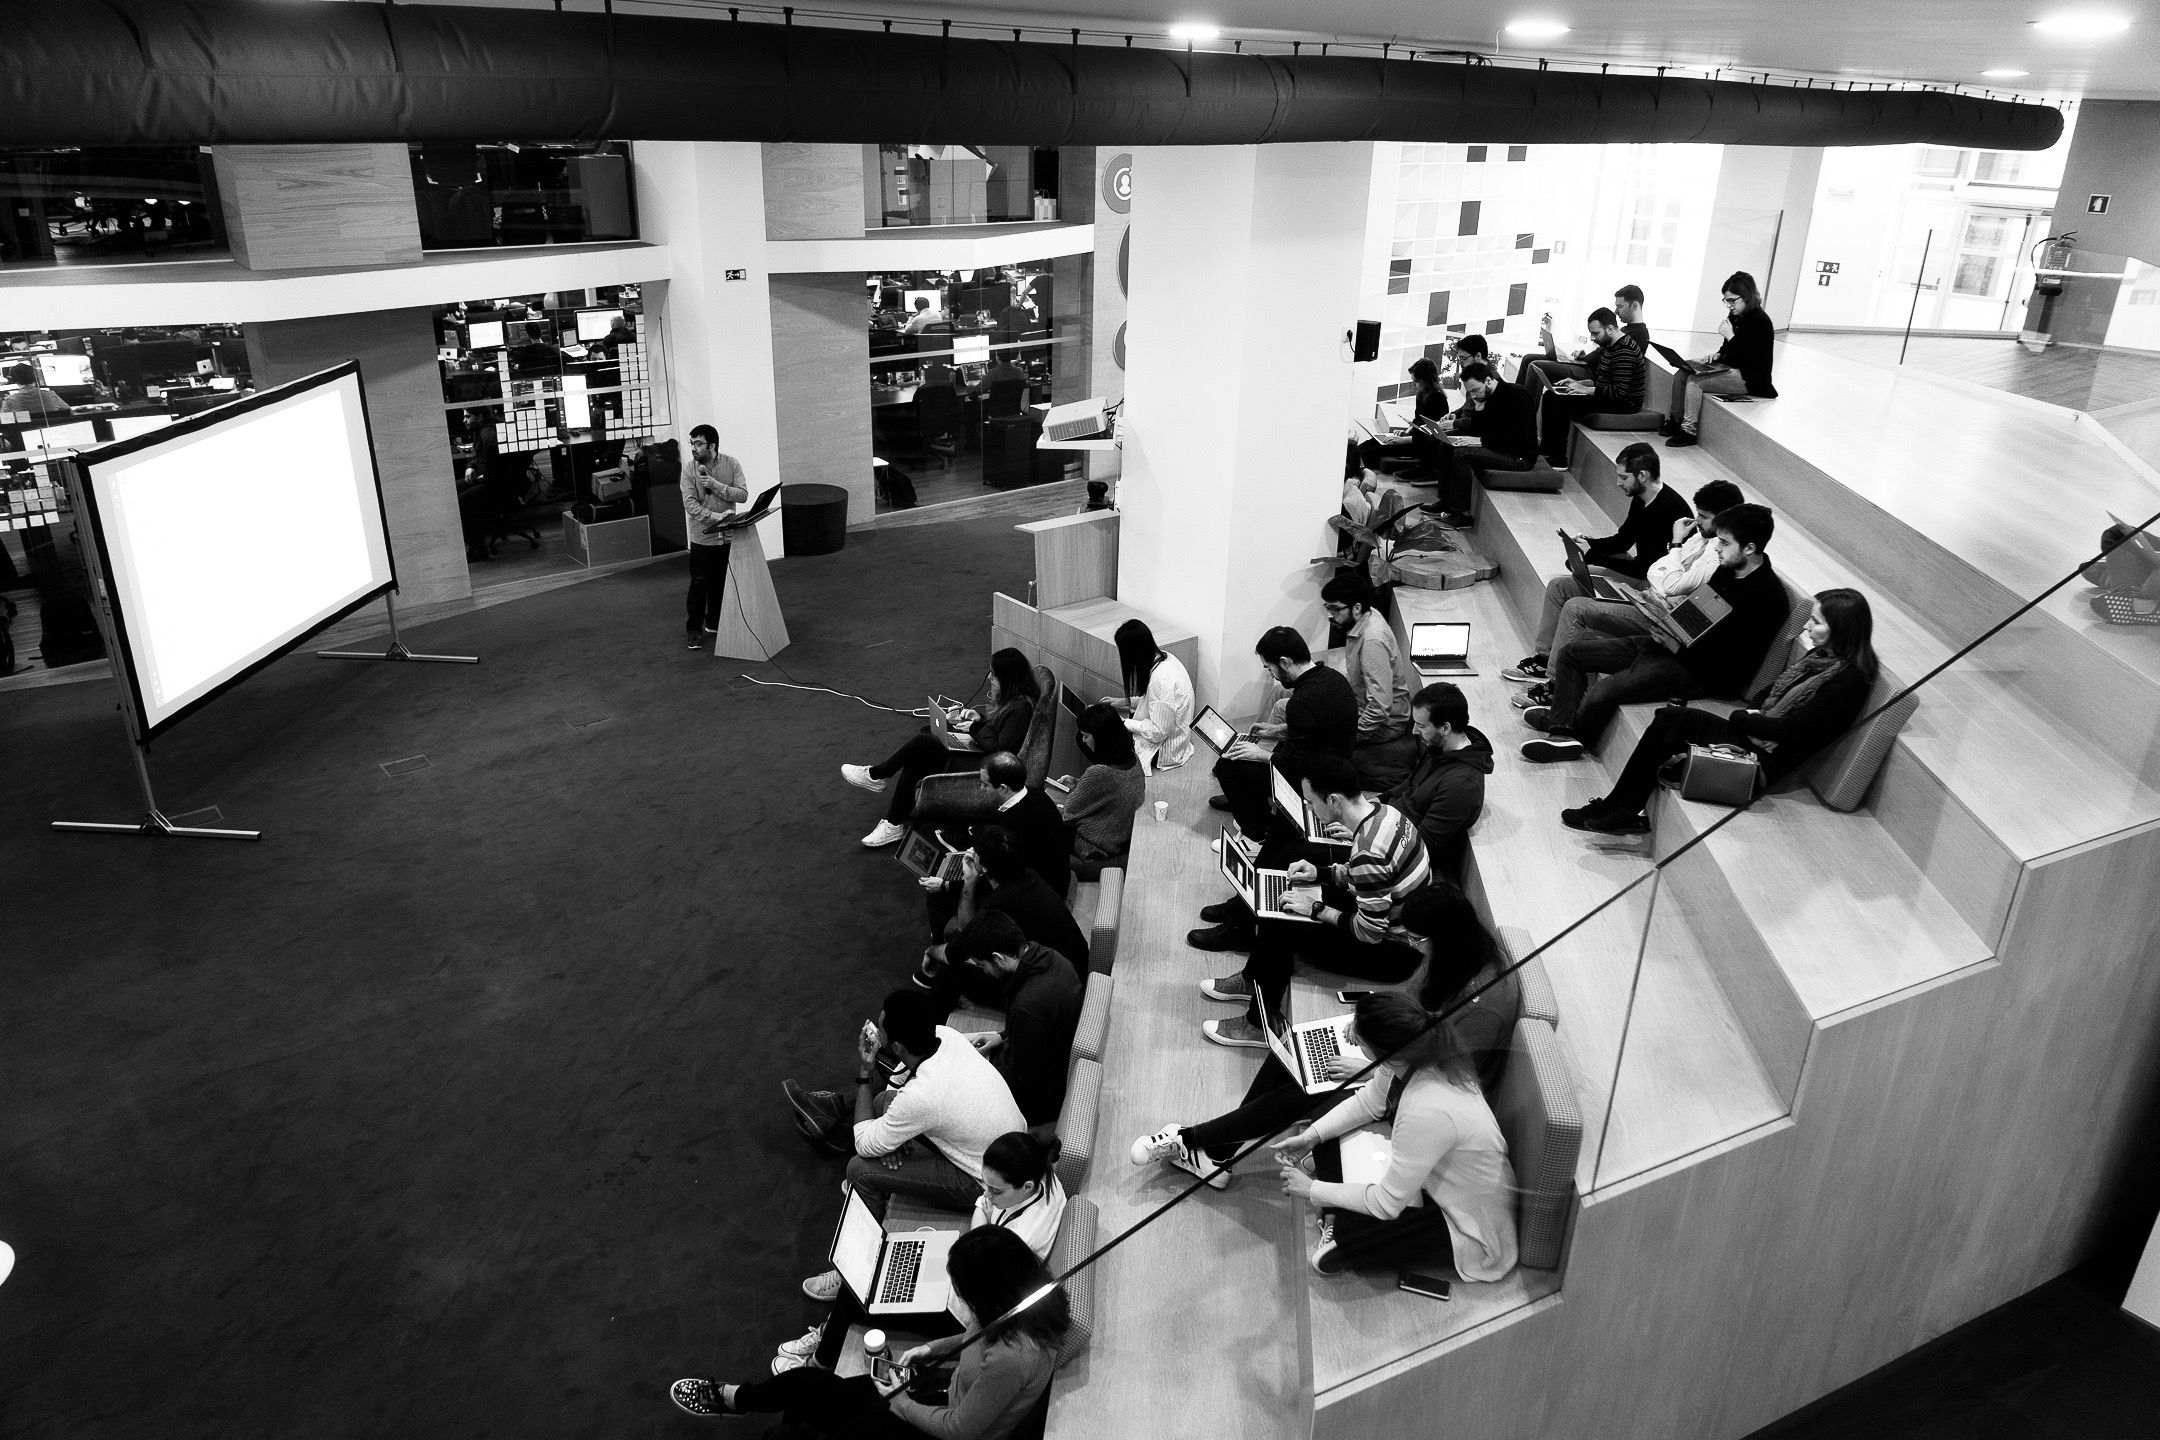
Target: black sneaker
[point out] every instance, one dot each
(1218, 802)
(1557, 745)
(697, 641)
(1608, 822)
(1580, 817)
(1527, 671)
(1535, 695)
(1221, 937)
(821, 1109)
(1225, 912)
(1682, 440)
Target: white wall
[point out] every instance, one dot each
(1245, 276)
(1755, 184)
(705, 201)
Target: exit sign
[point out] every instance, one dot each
(2097, 204)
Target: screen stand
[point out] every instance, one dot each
(397, 650)
(154, 821)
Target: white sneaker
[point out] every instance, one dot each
(804, 1348)
(1167, 1144)
(781, 1364)
(885, 834)
(860, 775)
(823, 1288)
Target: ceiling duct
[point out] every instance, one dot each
(154, 72)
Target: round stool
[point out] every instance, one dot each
(813, 518)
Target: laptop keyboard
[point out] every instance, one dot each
(1320, 1047)
(903, 1258)
(1268, 889)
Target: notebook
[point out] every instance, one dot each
(1263, 890)
(1440, 647)
(891, 1274)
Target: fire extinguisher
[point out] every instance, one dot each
(2053, 255)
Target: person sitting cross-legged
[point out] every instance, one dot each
(1814, 701)
(1353, 926)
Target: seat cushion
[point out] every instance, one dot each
(1535, 1105)
(1640, 420)
(1785, 646)
(1841, 775)
(1540, 477)
(1075, 1241)
(1076, 1123)
(1539, 1000)
(1094, 1027)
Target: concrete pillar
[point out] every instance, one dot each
(705, 201)
(821, 350)
(1244, 278)
(1759, 223)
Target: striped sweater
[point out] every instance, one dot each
(1387, 865)
(1618, 372)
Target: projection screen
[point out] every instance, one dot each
(229, 537)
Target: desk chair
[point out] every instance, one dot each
(1007, 397)
(937, 410)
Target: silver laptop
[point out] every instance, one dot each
(1219, 733)
(1440, 647)
(1304, 1050)
(1600, 586)
(1688, 620)
(891, 1274)
(925, 853)
(1263, 890)
(1291, 801)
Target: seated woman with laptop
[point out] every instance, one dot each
(1158, 699)
(1003, 725)
(1015, 1319)
(1739, 366)
(1108, 793)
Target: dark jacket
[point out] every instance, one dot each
(1753, 344)
(1040, 914)
(1042, 1009)
(1795, 732)
(1004, 728)
(1432, 405)
(1443, 796)
(1321, 718)
(1726, 658)
(1045, 839)
(1643, 536)
(1507, 422)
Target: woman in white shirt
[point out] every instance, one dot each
(1158, 702)
(1448, 1178)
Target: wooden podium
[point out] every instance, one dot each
(751, 627)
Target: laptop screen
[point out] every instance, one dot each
(856, 1246)
(1219, 732)
(1070, 701)
(1237, 868)
(1439, 640)
(1286, 795)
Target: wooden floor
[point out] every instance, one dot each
(2076, 377)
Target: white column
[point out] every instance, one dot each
(705, 201)
(1759, 223)
(1245, 278)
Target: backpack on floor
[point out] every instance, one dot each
(899, 490)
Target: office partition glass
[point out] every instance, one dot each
(508, 194)
(108, 205)
(917, 185)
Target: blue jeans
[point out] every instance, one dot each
(1627, 668)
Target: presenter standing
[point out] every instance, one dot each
(712, 486)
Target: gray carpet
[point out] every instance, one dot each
(453, 1107)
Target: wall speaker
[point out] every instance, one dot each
(1366, 346)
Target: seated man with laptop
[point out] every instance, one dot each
(1380, 675)
(994, 879)
(925, 1138)
(1615, 385)
(1320, 717)
(1645, 533)
(1710, 644)
(1346, 918)
(1495, 430)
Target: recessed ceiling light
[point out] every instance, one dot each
(1195, 31)
(2004, 74)
(1536, 29)
(2082, 25)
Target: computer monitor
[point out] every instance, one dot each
(598, 324)
(935, 297)
(971, 350)
(60, 370)
(484, 335)
(127, 427)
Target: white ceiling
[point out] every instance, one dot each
(1943, 41)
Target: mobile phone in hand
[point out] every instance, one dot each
(885, 1370)
(1426, 1283)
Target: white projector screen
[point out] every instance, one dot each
(231, 536)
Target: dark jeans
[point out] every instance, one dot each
(1466, 463)
(1558, 413)
(708, 582)
(1279, 944)
(847, 1311)
(1273, 1102)
(820, 1400)
(1672, 730)
(924, 1173)
(1245, 784)
(922, 755)
(1628, 668)
(1418, 1236)
(1539, 372)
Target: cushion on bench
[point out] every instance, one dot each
(1539, 1000)
(1094, 1027)
(1785, 645)
(1536, 1108)
(1539, 477)
(1075, 1242)
(1076, 1123)
(1102, 936)
(1640, 420)
(1841, 775)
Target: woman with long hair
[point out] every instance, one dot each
(1815, 700)
(1747, 353)
(1003, 725)
(1006, 1357)
(1109, 792)
(1158, 698)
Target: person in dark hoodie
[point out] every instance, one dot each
(1042, 1010)
(1445, 790)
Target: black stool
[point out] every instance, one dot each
(813, 518)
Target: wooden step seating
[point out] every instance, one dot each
(1960, 520)
(1981, 779)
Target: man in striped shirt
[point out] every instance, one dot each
(1618, 380)
(1354, 927)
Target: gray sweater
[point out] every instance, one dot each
(994, 1386)
(1101, 808)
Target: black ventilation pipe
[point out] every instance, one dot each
(147, 72)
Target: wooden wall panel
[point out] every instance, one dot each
(815, 192)
(297, 206)
(821, 374)
(396, 351)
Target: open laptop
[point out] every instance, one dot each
(1072, 703)
(1688, 619)
(1219, 733)
(925, 853)
(759, 509)
(1440, 647)
(2142, 539)
(1304, 1050)
(942, 716)
(1684, 365)
(1263, 890)
(1291, 801)
(891, 1274)
(1600, 586)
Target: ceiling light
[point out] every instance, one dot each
(1194, 32)
(1536, 29)
(2086, 25)
(2004, 74)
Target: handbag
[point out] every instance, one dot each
(1722, 774)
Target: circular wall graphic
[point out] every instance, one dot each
(1124, 262)
(1117, 348)
(1117, 184)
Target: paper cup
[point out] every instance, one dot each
(1162, 809)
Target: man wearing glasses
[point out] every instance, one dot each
(1381, 677)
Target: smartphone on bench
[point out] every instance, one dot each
(1424, 1282)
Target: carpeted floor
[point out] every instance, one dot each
(452, 1108)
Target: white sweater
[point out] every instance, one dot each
(957, 1101)
(1036, 1223)
(1161, 722)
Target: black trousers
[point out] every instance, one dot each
(1466, 463)
(1558, 413)
(924, 754)
(708, 582)
(821, 1401)
(1672, 730)
(1279, 944)
(1245, 784)
(1273, 1103)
